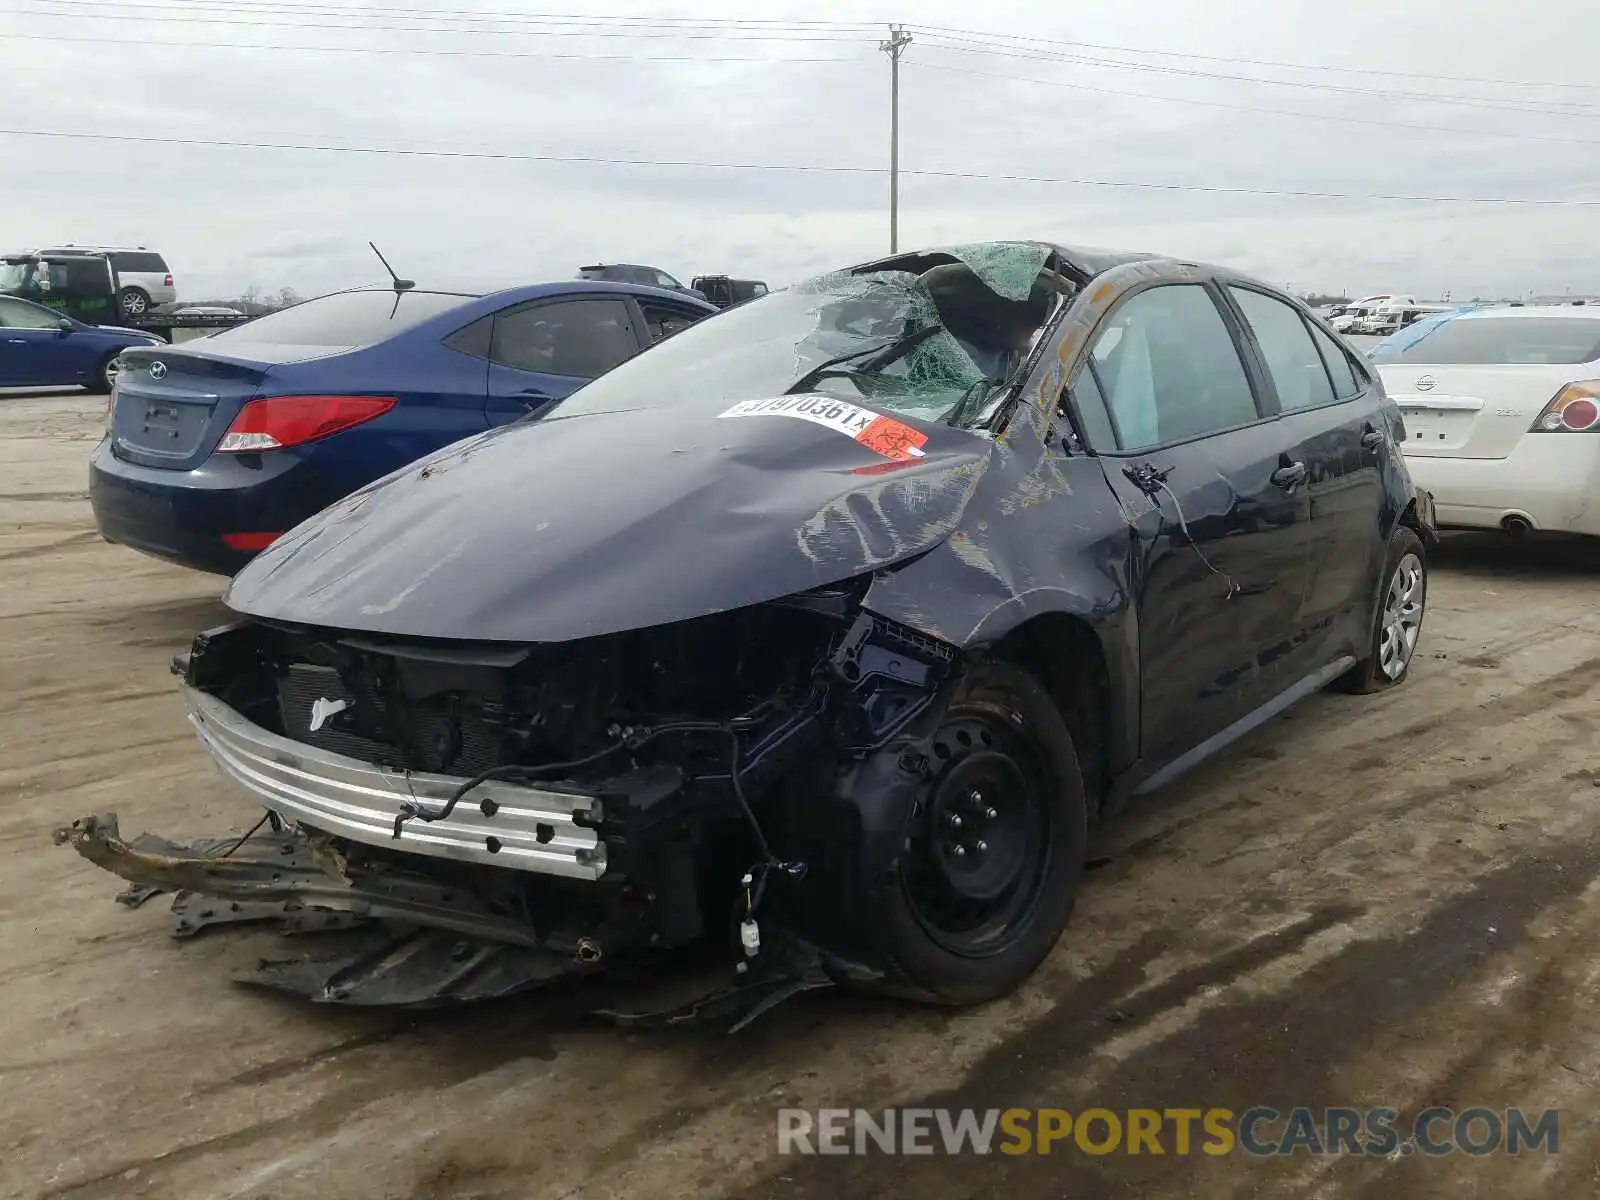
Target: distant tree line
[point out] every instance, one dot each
(253, 300)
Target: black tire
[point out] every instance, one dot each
(104, 376)
(1001, 726)
(1382, 668)
(135, 302)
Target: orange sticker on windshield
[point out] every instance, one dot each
(893, 439)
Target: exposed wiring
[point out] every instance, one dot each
(248, 834)
(1233, 588)
(1152, 481)
(414, 809)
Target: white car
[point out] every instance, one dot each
(1502, 415)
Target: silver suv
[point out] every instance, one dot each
(144, 279)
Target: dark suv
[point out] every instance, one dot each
(145, 279)
(725, 292)
(634, 273)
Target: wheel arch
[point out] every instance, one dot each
(1090, 666)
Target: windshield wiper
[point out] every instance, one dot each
(974, 395)
(880, 355)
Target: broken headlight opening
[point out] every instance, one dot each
(483, 819)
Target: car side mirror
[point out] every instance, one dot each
(65, 325)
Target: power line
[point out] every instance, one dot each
(267, 8)
(941, 30)
(1299, 85)
(675, 34)
(431, 51)
(398, 151)
(634, 25)
(1342, 120)
(745, 29)
(452, 52)
(272, 6)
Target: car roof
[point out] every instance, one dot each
(517, 293)
(599, 287)
(1588, 311)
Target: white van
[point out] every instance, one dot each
(1360, 313)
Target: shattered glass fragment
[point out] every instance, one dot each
(1008, 268)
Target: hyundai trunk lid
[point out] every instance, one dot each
(170, 407)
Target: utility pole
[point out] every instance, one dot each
(899, 39)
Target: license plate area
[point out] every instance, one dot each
(1444, 423)
(162, 421)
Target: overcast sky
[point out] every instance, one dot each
(228, 217)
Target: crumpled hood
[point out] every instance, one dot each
(577, 526)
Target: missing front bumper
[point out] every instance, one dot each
(547, 830)
(408, 940)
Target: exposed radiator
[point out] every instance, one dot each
(445, 743)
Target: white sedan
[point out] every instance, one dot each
(1502, 415)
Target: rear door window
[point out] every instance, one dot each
(145, 262)
(475, 339)
(581, 338)
(1292, 358)
(1346, 385)
(661, 279)
(664, 320)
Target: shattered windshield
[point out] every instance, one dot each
(919, 345)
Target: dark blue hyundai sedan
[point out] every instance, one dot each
(216, 447)
(40, 347)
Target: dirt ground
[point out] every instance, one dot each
(1373, 901)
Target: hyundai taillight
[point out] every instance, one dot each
(280, 421)
(168, 282)
(1575, 409)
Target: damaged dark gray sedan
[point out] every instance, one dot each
(816, 637)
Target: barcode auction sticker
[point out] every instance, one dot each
(878, 433)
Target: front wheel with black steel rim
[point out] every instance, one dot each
(1397, 624)
(994, 845)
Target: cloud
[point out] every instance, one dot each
(227, 217)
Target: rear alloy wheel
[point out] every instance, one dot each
(105, 378)
(994, 845)
(1397, 625)
(134, 302)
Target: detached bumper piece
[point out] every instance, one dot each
(395, 938)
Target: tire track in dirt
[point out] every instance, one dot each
(71, 542)
(1366, 764)
(1281, 1050)
(1302, 879)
